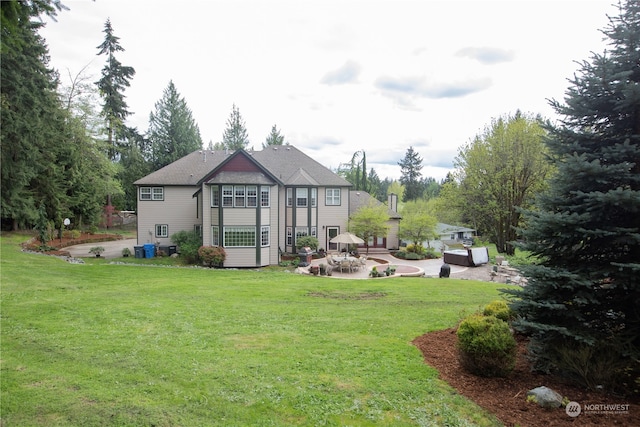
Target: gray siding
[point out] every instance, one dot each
(178, 211)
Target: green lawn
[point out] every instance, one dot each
(117, 345)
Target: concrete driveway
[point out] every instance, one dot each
(112, 249)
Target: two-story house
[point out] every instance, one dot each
(253, 203)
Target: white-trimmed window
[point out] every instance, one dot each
(301, 232)
(314, 197)
(252, 196)
(162, 230)
(314, 231)
(215, 235)
(240, 236)
(289, 236)
(289, 196)
(197, 228)
(215, 196)
(332, 197)
(239, 193)
(265, 196)
(302, 196)
(227, 196)
(264, 235)
(151, 193)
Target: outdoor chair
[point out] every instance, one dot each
(345, 264)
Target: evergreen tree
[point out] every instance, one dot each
(411, 167)
(133, 166)
(173, 133)
(115, 78)
(581, 302)
(32, 120)
(274, 138)
(235, 136)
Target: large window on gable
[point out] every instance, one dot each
(332, 197)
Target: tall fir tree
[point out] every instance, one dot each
(173, 133)
(411, 172)
(32, 120)
(235, 135)
(580, 306)
(115, 78)
(274, 138)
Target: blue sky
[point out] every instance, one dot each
(341, 76)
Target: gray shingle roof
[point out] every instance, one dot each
(285, 162)
(358, 199)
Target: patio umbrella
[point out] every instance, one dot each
(348, 238)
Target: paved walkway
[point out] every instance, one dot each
(429, 267)
(112, 249)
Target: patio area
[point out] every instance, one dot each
(404, 268)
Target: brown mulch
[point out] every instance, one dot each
(58, 245)
(506, 398)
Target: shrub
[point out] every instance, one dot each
(188, 243)
(486, 346)
(309, 241)
(213, 256)
(597, 366)
(499, 309)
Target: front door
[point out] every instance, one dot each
(331, 233)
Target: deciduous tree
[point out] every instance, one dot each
(417, 224)
(499, 172)
(370, 221)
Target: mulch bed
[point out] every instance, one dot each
(506, 398)
(34, 244)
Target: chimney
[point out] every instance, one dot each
(392, 202)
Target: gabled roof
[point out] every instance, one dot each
(285, 163)
(358, 199)
(442, 228)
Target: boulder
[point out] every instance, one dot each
(545, 397)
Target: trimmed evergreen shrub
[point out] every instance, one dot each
(486, 346)
(499, 309)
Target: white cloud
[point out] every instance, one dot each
(435, 71)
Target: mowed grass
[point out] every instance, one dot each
(116, 345)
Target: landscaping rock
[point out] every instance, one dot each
(546, 397)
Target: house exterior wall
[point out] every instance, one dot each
(177, 210)
(393, 241)
(332, 216)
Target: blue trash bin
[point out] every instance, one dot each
(149, 250)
